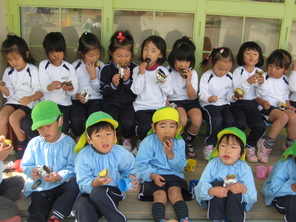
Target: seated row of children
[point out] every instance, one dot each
(131, 93)
(60, 179)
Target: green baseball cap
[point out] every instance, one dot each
(45, 113)
(233, 131)
(93, 119)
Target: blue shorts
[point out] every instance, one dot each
(148, 188)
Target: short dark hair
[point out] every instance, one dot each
(159, 43)
(183, 49)
(249, 46)
(88, 41)
(54, 42)
(97, 127)
(14, 43)
(280, 58)
(237, 139)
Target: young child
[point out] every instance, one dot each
(100, 195)
(21, 87)
(10, 188)
(116, 80)
(185, 85)
(160, 162)
(216, 93)
(58, 77)
(227, 201)
(88, 98)
(280, 187)
(49, 163)
(275, 105)
(151, 83)
(249, 78)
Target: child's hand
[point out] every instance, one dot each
(266, 104)
(101, 181)
(4, 149)
(25, 100)
(52, 178)
(127, 74)
(116, 79)
(142, 68)
(293, 187)
(80, 97)
(220, 192)
(67, 88)
(237, 98)
(237, 188)
(91, 69)
(2, 83)
(35, 174)
(55, 85)
(158, 180)
(294, 65)
(135, 182)
(213, 99)
(256, 78)
(188, 73)
(168, 148)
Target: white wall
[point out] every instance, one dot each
(3, 34)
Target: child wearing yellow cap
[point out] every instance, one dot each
(48, 161)
(98, 153)
(227, 185)
(160, 163)
(280, 187)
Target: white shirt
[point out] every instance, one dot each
(21, 84)
(150, 94)
(84, 82)
(212, 85)
(292, 86)
(240, 80)
(49, 73)
(179, 85)
(278, 90)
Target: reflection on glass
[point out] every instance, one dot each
(263, 31)
(292, 43)
(36, 22)
(280, 1)
(223, 31)
(141, 25)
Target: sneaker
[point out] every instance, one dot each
(185, 220)
(262, 152)
(13, 219)
(251, 155)
(17, 165)
(207, 151)
(284, 146)
(170, 220)
(190, 152)
(53, 219)
(126, 143)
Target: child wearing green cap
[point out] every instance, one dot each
(48, 162)
(160, 163)
(227, 185)
(100, 194)
(280, 187)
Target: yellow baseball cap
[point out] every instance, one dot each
(164, 113)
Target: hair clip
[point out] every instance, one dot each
(11, 33)
(121, 37)
(221, 51)
(185, 37)
(216, 47)
(208, 58)
(86, 32)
